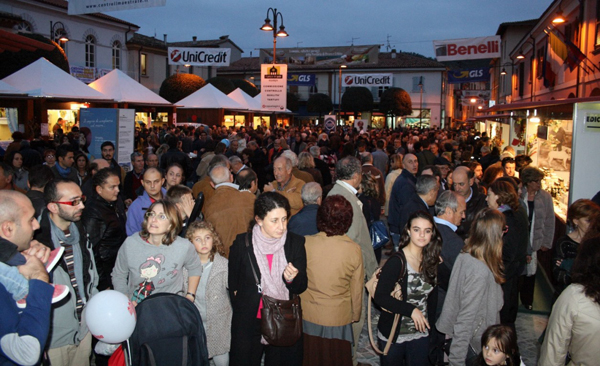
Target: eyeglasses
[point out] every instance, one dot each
(151, 214)
(75, 202)
(49, 156)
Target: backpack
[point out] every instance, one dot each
(168, 331)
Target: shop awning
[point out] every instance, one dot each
(15, 43)
(119, 86)
(538, 104)
(488, 116)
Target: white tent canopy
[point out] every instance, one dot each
(44, 79)
(209, 97)
(244, 99)
(9, 89)
(119, 86)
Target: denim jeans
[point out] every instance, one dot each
(13, 281)
(411, 353)
(396, 241)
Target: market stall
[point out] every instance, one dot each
(207, 105)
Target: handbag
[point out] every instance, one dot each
(379, 233)
(281, 320)
(396, 293)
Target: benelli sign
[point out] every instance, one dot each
(467, 48)
(199, 56)
(367, 80)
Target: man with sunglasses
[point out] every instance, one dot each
(70, 341)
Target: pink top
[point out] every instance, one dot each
(260, 305)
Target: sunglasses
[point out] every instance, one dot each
(75, 202)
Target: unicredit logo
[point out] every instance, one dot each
(349, 80)
(176, 55)
(198, 56)
(367, 80)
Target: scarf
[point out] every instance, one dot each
(64, 172)
(271, 280)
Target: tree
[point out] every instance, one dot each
(248, 87)
(320, 103)
(395, 102)
(293, 103)
(223, 84)
(357, 99)
(11, 62)
(178, 86)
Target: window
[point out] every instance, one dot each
(597, 42)
(24, 27)
(540, 62)
(521, 79)
(415, 85)
(116, 55)
(143, 69)
(90, 51)
(381, 89)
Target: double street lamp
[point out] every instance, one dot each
(273, 27)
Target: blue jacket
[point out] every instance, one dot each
(305, 221)
(23, 335)
(137, 209)
(404, 188)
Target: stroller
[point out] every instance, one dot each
(168, 332)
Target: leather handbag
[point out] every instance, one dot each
(396, 293)
(281, 320)
(379, 233)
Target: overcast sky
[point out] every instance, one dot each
(411, 25)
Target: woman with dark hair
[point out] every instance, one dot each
(492, 173)
(152, 260)
(82, 165)
(540, 212)
(474, 296)
(278, 258)
(50, 157)
(174, 175)
(574, 324)
(333, 299)
(104, 220)
(503, 197)
(368, 194)
(416, 266)
(20, 174)
(580, 215)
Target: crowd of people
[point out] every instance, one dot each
(287, 213)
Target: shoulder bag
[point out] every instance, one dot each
(396, 293)
(281, 320)
(379, 233)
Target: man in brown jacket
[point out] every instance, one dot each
(229, 210)
(286, 184)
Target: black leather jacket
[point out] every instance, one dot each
(105, 224)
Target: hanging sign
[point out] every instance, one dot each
(100, 6)
(273, 85)
(199, 56)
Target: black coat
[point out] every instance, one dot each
(475, 204)
(515, 241)
(176, 156)
(305, 221)
(105, 223)
(404, 187)
(243, 292)
(414, 204)
(324, 169)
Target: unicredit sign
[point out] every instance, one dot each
(367, 80)
(199, 56)
(467, 48)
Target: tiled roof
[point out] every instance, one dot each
(148, 41)
(65, 5)
(385, 61)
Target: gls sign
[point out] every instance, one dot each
(469, 76)
(368, 80)
(199, 56)
(299, 79)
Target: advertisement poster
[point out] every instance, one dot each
(361, 125)
(469, 75)
(99, 6)
(199, 56)
(125, 141)
(301, 79)
(273, 96)
(330, 123)
(84, 74)
(102, 123)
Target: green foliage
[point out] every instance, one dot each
(11, 62)
(320, 103)
(357, 99)
(223, 84)
(248, 87)
(293, 102)
(395, 101)
(178, 86)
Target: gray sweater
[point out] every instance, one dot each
(139, 261)
(472, 304)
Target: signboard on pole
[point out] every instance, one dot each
(199, 56)
(467, 48)
(330, 123)
(108, 124)
(100, 6)
(125, 139)
(273, 85)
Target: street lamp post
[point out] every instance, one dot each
(58, 33)
(421, 102)
(340, 93)
(273, 27)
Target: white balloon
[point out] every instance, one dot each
(110, 316)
